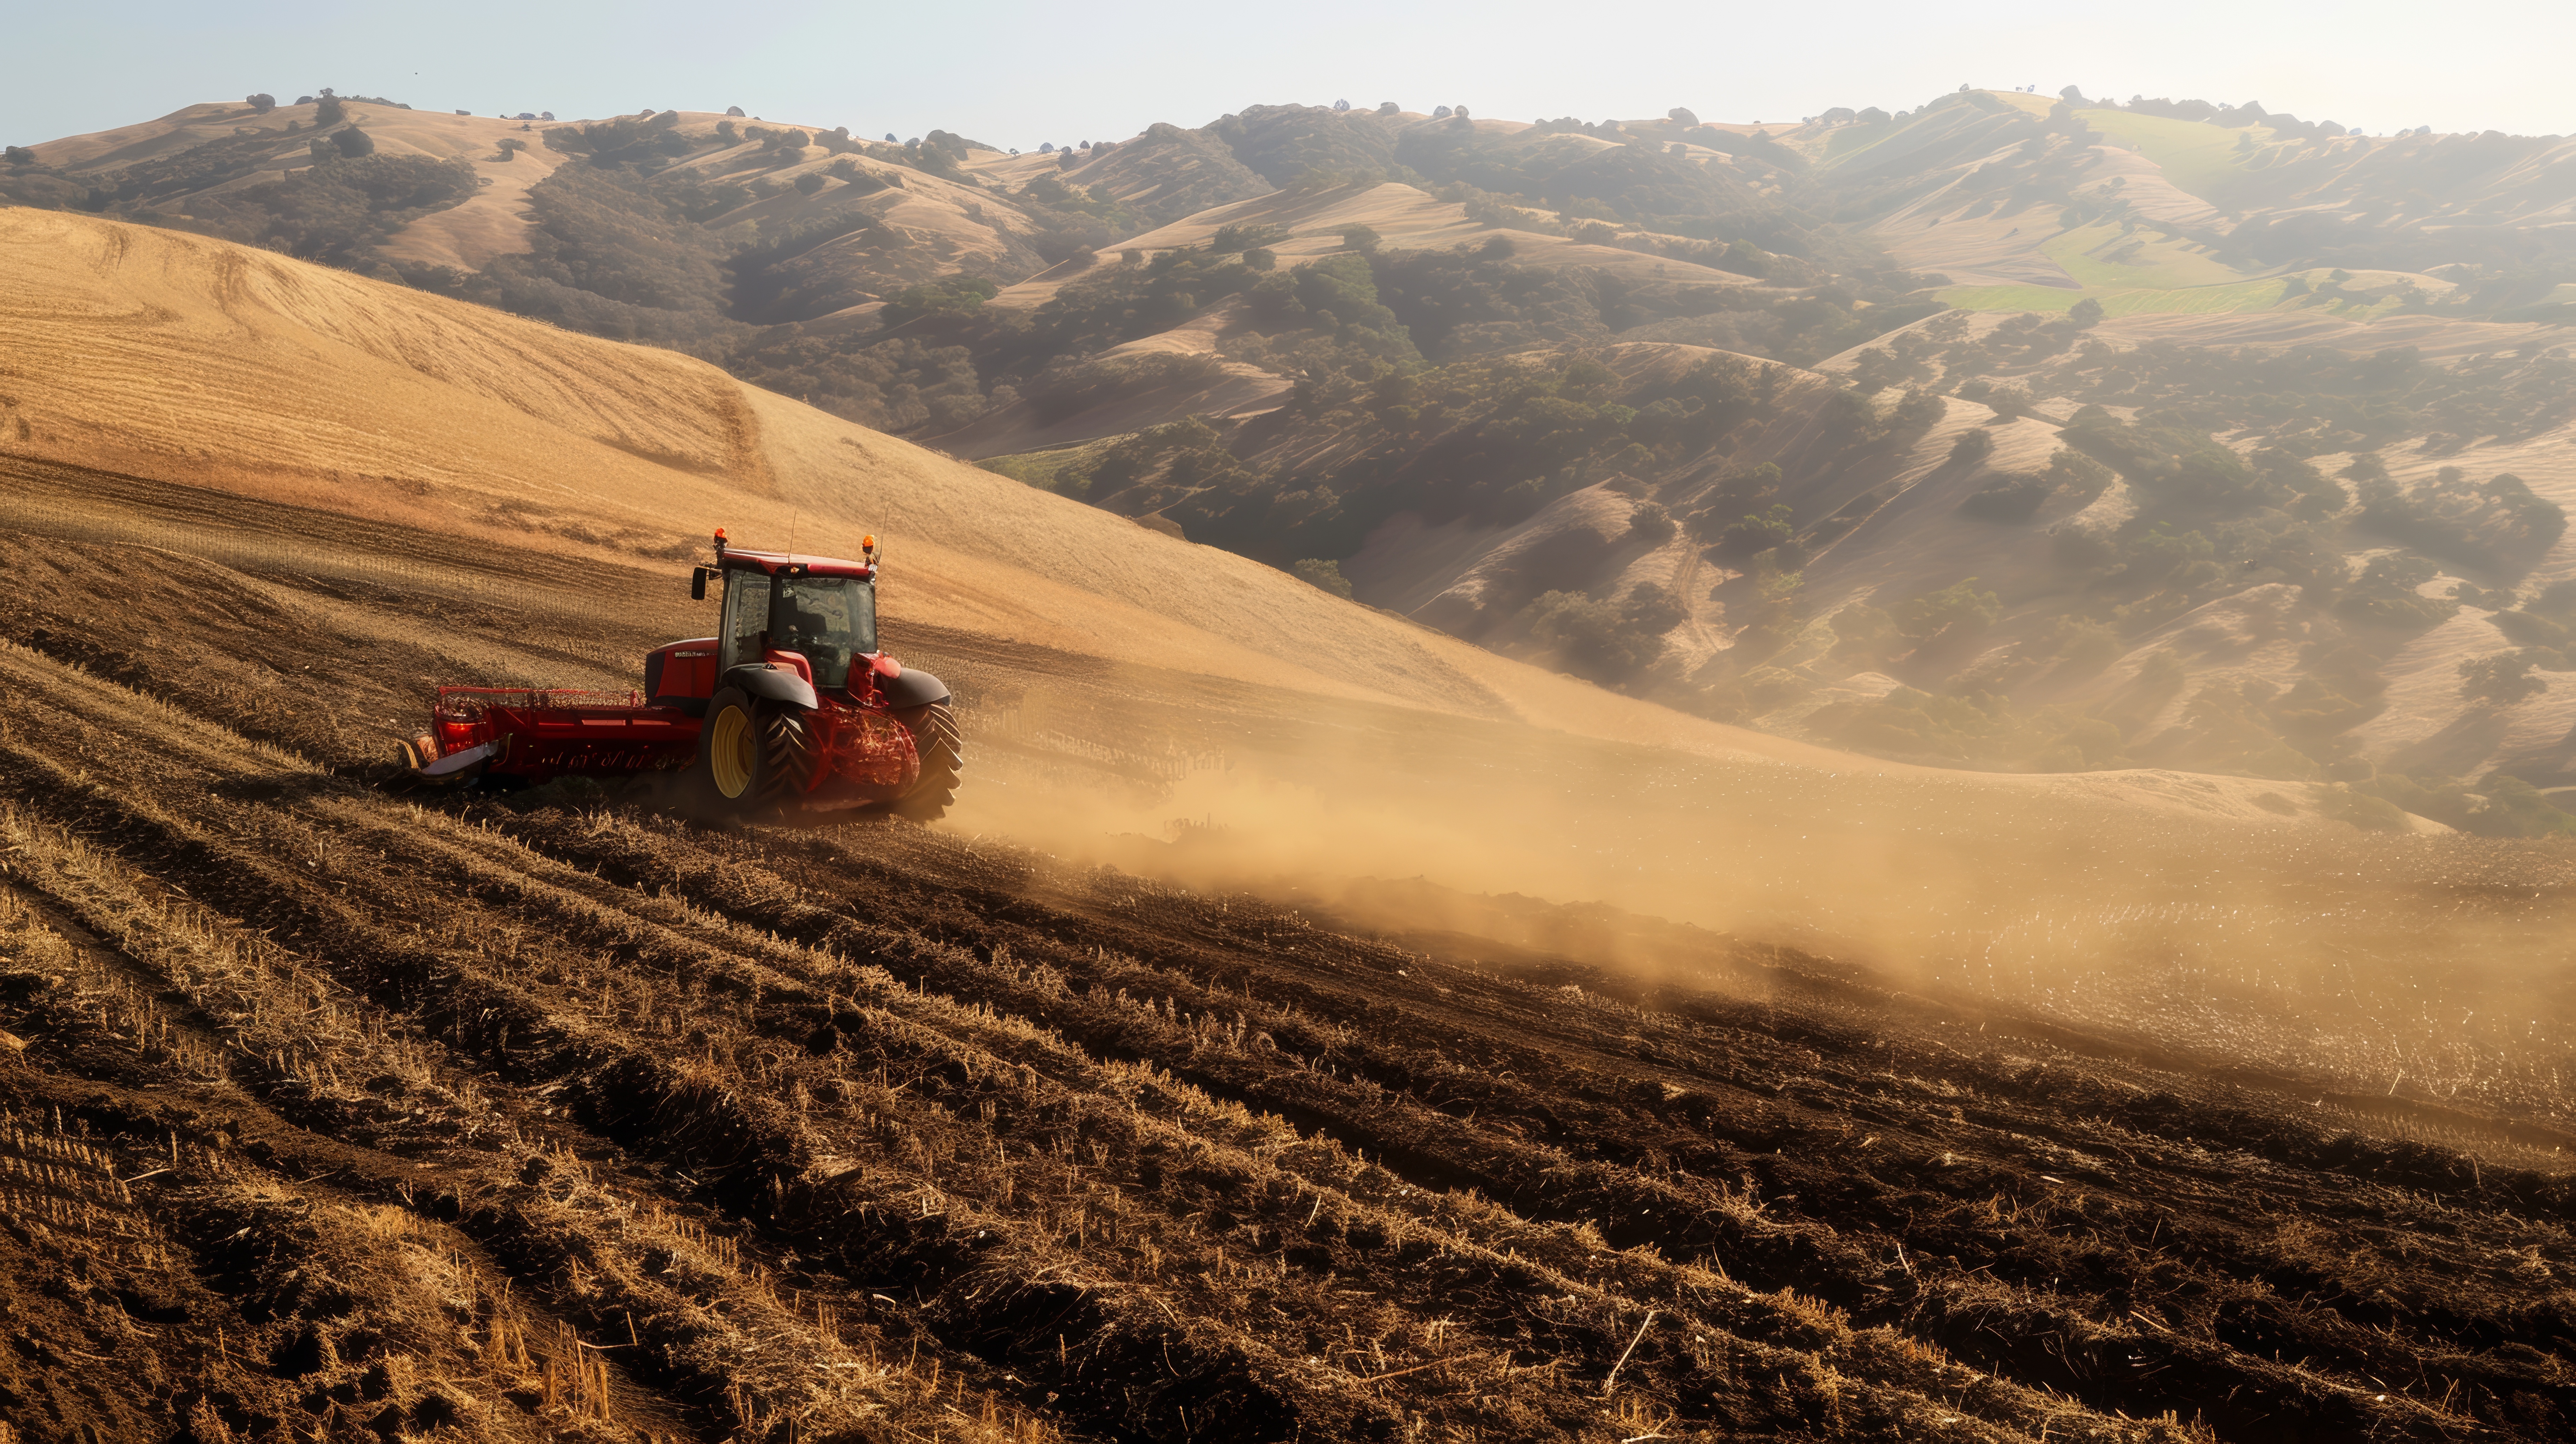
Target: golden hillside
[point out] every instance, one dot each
(191, 360)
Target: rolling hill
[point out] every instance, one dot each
(1309, 1023)
(1771, 424)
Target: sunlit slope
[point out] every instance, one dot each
(2022, 204)
(889, 223)
(2429, 724)
(494, 221)
(193, 360)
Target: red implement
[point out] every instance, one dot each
(542, 734)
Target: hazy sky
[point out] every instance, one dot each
(1016, 74)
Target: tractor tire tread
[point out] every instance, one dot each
(788, 753)
(943, 756)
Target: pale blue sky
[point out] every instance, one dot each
(1016, 74)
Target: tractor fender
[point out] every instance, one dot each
(773, 683)
(912, 688)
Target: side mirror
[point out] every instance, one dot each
(698, 584)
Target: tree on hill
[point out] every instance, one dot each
(1603, 640)
(328, 110)
(261, 104)
(952, 295)
(1245, 236)
(1681, 115)
(2503, 679)
(354, 142)
(18, 155)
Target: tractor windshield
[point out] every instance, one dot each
(829, 620)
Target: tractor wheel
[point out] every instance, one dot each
(934, 736)
(788, 758)
(751, 754)
(729, 753)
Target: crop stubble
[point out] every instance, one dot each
(333, 1109)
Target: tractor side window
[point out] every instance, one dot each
(828, 619)
(746, 616)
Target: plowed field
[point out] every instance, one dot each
(335, 1111)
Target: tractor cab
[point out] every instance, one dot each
(811, 618)
(813, 614)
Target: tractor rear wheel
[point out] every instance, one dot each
(943, 755)
(753, 754)
(787, 753)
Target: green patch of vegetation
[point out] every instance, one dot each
(2230, 298)
(2196, 156)
(1323, 575)
(1605, 640)
(892, 385)
(2498, 527)
(2125, 255)
(1064, 470)
(2315, 399)
(340, 209)
(947, 296)
(1144, 471)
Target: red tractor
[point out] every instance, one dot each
(790, 713)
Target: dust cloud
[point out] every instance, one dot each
(2435, 965)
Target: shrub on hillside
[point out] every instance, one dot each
(1245, 237)
(2386, 595)
(1652, 523)
(2501, 526)
(947, 296)
(333, 212)
(2011, 498)
(1602, 640)
(890, 385)
(1324, 575)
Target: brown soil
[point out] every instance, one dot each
(331, 1110)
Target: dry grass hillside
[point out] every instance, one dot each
(2021, 202)
(1453, 1049)
(2467, 401)
(191, 360)
(889, 222)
